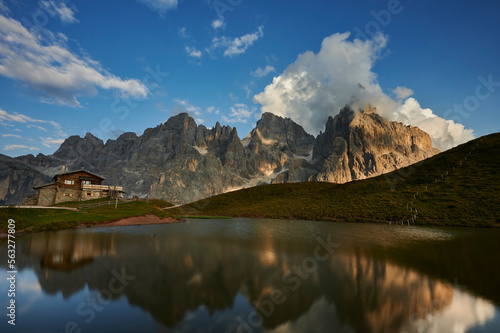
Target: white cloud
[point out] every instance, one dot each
(160, 6)
(7, 118)
(3, 7)
(238, 45)
(187, 106)
(217, 24)
(49, 142)
(239, 113)
(213, 109)
(67, 15)
(193, 52)
(49, 67)
(402, 92)
(12, 136)
(318, 85)
(261, 72)
(465, 311)
(248, 90)
(233, 96)
(37, 126)
(23, 147)
(444, 133)
(183, 32)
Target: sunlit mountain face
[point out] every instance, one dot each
(258, 276)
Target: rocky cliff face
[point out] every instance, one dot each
(361, 145)
(17, 180)
(181, 162)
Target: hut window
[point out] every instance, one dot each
(85, 181)
(69, 182)
(67, 194)
(89, 194)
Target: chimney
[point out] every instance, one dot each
(63, 170)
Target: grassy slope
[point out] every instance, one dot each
(47, 219)
(468, 196)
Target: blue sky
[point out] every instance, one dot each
(70, 67)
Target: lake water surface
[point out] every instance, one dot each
(256, 275)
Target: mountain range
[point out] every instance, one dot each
(180, 161)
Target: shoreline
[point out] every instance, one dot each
(133, 220)
(126, 221)
(149, 219)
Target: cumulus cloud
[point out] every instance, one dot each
(160, 6)
(261, 72)
(239, 114)
(444, 133)
(318, 85)
(23, 147)
(217, 24)
(49, 67)
(402, 92)
(66, 14)
(238, 45)
(193, 52)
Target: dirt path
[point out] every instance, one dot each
(165, 208)
(137, 220)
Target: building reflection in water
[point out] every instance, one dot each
(68, 250)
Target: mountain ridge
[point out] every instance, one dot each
(180, 161)
(456, 188)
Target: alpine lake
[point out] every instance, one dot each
(256, 275)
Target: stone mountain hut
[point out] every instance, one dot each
(77, 185)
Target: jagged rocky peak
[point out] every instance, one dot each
(120, 140)
(40, 160)
(273, 127)
(127, 136)
(336, 127)
(215, 137)
(182, 161)
(76, 146)
(181, 122)
(284, 132)
(358, 145)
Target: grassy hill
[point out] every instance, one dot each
(458, 187)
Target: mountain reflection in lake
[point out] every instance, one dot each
(251, 275)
